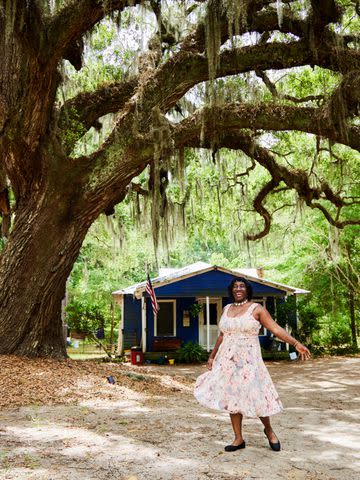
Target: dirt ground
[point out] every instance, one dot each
(75, 425)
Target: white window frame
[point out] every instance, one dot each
(215, 300)
(174, 316)
(218, 301)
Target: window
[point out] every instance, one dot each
(165, 319)
(213, 314)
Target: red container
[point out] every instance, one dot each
(136, 356)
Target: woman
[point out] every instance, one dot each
(238, 381)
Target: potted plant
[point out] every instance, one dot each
(195, 309)
(192, 352)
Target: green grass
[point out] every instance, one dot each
(85, 351)
(83, 356)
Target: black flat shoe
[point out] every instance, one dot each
(232, 448)
(273, 445)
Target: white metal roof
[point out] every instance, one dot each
(173, 275)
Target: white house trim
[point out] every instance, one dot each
(207, 301)
(120, 345)
(143, 323)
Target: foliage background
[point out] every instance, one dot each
(208, 209)
(208, 205)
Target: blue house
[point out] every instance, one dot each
(191, 300)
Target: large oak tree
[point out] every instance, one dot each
(53, 197)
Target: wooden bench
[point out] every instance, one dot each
(166, 344)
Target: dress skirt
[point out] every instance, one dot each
(239, 381)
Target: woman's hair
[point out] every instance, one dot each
(249, 290)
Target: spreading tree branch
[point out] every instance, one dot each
(136, 187)
(259, 207)
(295, 179)
(272, 88)
(267, 116)
(66, 29)
(80, 113)
(298, 180)
(163, 89)
(323, 13)
(344, 102)
(168, 82)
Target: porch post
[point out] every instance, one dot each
(207, 324)
(297, 314)
(143, 323)
(120, 345)
(287, 326)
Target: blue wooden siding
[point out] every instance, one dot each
(190, 333)
(213, 284)
(184, 333)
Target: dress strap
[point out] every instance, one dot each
(226, 308)
(252, 307)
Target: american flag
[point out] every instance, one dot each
(151, 292)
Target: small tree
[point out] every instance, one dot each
(309, 322)
(85, 318)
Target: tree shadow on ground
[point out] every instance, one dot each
(170, 437)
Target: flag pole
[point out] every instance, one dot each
(143, 314)
(149, 289)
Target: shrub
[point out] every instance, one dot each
(318, 351)
(339, 334)
(344, 350)
(192, 352)
(285, 312)
(84, 318)
(309, 316)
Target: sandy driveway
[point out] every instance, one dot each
(114, 432)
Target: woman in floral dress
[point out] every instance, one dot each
(238, 381)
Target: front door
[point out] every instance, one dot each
(215, 314)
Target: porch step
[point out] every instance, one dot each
(153, 356)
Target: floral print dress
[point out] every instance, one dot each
(239, 381)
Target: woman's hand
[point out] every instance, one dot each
(209, 363)
(304, 352)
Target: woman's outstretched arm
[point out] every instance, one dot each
(264, 317)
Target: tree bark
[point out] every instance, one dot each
(38, 259)
(352, 319)
(57, 198)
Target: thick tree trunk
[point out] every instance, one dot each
(352, 318)
(34, 268)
